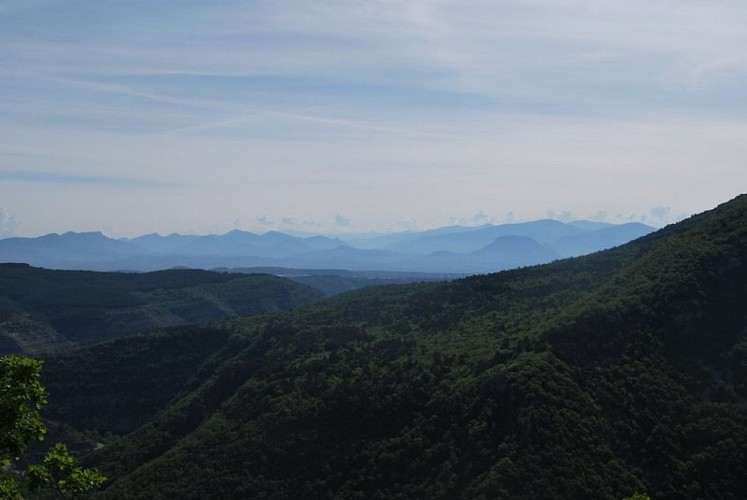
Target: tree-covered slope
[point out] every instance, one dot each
(44, 310)
(593, 377)
(116, 386)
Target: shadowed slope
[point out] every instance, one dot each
(590, 378)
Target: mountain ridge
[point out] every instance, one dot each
(590, 377)
(236, 248)
(45, 310)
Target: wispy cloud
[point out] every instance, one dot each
(46, 177)
(325, 126)
(8, 224)
(380, 110)
(358, 61)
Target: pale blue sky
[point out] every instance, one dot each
(332, 116)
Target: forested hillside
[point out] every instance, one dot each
(594, 377)
(44, 310)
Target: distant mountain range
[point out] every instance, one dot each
(621, 374)
(453, 249)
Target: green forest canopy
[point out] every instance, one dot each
(596, 377)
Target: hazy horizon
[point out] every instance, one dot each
(339, 234)
(333, 117)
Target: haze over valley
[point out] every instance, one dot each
(454, 249)
(511, 379)
(433, 249)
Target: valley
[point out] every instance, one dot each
(373, 250)
(44, 310)
(591, 377)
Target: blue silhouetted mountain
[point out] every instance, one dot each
(347, 257)
(516, 251)
(66, 251)
(452, 249)
(505, 252)
(589, 225)
(472, 239)
(236, 243)
(600, 239)
(156, 243)
(393, 241)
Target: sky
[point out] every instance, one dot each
(131, 117)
